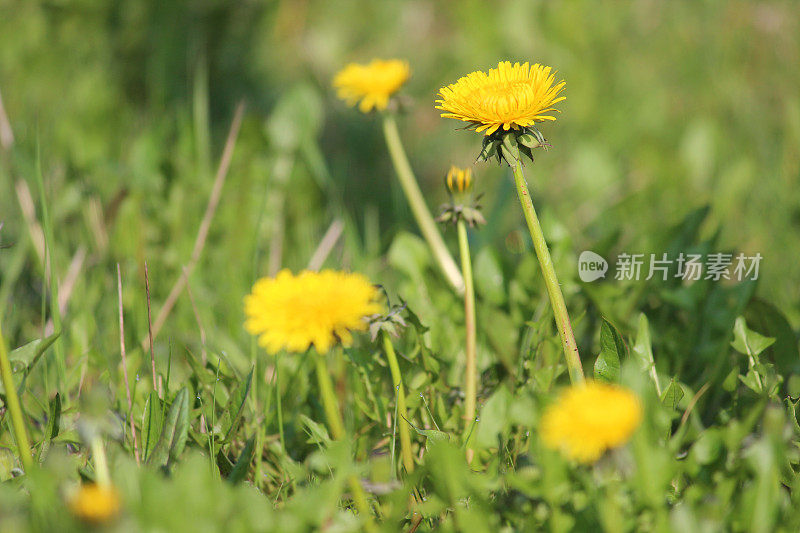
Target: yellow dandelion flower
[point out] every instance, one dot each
(509, 96)
(293, 312)
(459, 180)
(94, 503)
(588, 419)
(372, 84)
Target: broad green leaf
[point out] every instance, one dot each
(772, 322)
(24, 358)
(69, 436)
(494, 418)
(29, 353)
(202, 374)
(672, 395)
(173, 435)
(237, 402)
(53, 424)
(747, 341)
(431, 435)
(181, 425)
(242, 465)
(643, 349)
(152, 423)
(612, 351)
(317, 434)
(220, 364)
(753, 381)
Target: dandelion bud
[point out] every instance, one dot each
(459, 180)
(462, 204)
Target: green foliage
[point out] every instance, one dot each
(612, 351)
(680, 133)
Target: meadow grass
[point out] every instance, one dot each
(156, 159)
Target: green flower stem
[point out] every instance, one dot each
(550, 279)
(329, 401)
(14, 407)
(336, 427)
(417, 202)
(278, 397)
(470, 374)
(397, 381)
(102, 476)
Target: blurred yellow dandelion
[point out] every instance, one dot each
(371, 85)
(459, 180)
(588, 419)
(511, 96)
(293, 312)
(94, 503)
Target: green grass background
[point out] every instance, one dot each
(125, 107)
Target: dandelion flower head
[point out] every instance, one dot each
(586, 420)
(372, 84)
(293, 312)
(511, 96)
(94, 503)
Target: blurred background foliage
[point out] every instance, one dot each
(680, 132)
(671, 107)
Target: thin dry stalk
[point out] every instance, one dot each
(205, 224)
(6, 133)
(203, 355)
(96, 223)
(125, 365)
(65, 288)
(326, 245)
(28, 209)
(692, 403)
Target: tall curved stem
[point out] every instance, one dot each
(417, 203)
(397, 381)
(470, 373)
(336, 427)
(550, 279)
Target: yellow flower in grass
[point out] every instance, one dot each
(293, 312)
(511, 96)
(589, 419)
(371, 85)
(94, 503)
